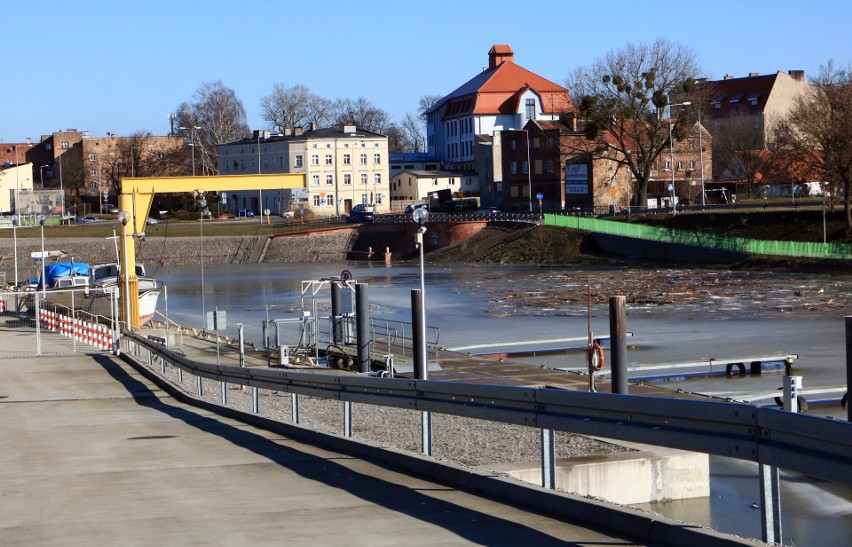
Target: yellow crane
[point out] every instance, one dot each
(137, 195)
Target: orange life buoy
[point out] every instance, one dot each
(595, 356)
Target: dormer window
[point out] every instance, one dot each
(717, 101)
(735, 100)
(753, 98)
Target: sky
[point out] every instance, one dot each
(113, 66)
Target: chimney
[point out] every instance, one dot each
(499, 54)
(288, 131)
(753, 74)
(313, 126)
(728, 77)
(30, 141)
(798, 75)
(298, 131)
(349, 129)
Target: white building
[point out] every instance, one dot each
(414, 186)
(343, 167)
(14, 179)
(504, 96)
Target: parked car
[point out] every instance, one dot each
(247, 213)
(88, 219)
(361, 213)
(150, 222)
(287, 214)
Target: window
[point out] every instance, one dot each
(668, 165)
(161, 156)
(329, 180)
(329, 160)
(314, 180)
(692, 165)
(530, 108)
(236, 165)
(316, 200)
(253, 164)
(94, 173)
(364, 199)
(48, 146)
(548, 166)
(377, 179)
(363, 159)
(514, 168)
(379, 198)
(377, 159)
(64, 144)
(329, 199)
(298, 160)
(347, 159)
(363, 178)
(242, 165)
(525, 168)
(314, 159)
(514, 144)
(347, 178)
(93, 157)
(680, 165)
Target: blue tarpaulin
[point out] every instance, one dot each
(63, 269)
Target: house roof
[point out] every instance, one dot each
(420, 173)
(740, 95)
(498, 89)
(324, 133)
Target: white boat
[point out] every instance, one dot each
(77, 285)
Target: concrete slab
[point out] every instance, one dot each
(94, 454)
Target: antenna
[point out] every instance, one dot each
(172, 117)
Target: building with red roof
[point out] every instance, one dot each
(503, 96)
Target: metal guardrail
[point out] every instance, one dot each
(817, 447)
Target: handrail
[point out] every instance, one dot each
(805, 444)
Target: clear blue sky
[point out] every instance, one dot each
(123, 66)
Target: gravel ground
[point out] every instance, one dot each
(463, 441)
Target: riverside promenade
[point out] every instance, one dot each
(95, 453)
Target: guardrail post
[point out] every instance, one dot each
(347, 418)
(618, 343)
(255, 400)
(294, 398)
(224, 394)
(848, 366)
(548, 459)
(770, 515)
(180, 375)
(200, 387)
(362, 326)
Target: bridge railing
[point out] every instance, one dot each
(813, 446)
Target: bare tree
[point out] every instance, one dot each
(292, 107)
(818, 131)
(622, 98)
(361, 113)
(427, 102)
(739, 153)
(413, 136)
(220, 117)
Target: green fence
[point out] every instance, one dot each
(702, 239)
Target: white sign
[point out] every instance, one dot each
(576, 172)
(576, 188)
(216, 320)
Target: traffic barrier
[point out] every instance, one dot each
(2, 305)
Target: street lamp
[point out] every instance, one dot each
(41, 219)
(671, 155)
(41, 174)
(15, 220)
(529, 168)
(192, 142)
(260, 191)
(123, 218)
(420, 216)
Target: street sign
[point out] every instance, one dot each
(613, 192)
(539, 196)
(266, 212)
(322, 201)
(671, 187)
(216, 320)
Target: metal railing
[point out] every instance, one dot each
(812, 446)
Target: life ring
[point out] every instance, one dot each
(595, 356)
(729, 369)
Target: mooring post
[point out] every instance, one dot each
(242, 345)
(618, 343)
(362, 327)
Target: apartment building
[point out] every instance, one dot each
(343, 167)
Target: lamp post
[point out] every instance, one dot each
(671, 155)
(192, 142)
(41, 175)
(420, 216)
(123, 218)
(41, 219)
(15, 220)
(259, 192)
(529, 169)
(61, 190)
(701, 156)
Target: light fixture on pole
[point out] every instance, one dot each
(529, 170)
(41, 175)
(701, 156)
(123, 218)
(41, 219)
(259, 192)
(15, 220)
(420, 216)
(201, 201)
(192, 142)
(671, 154)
